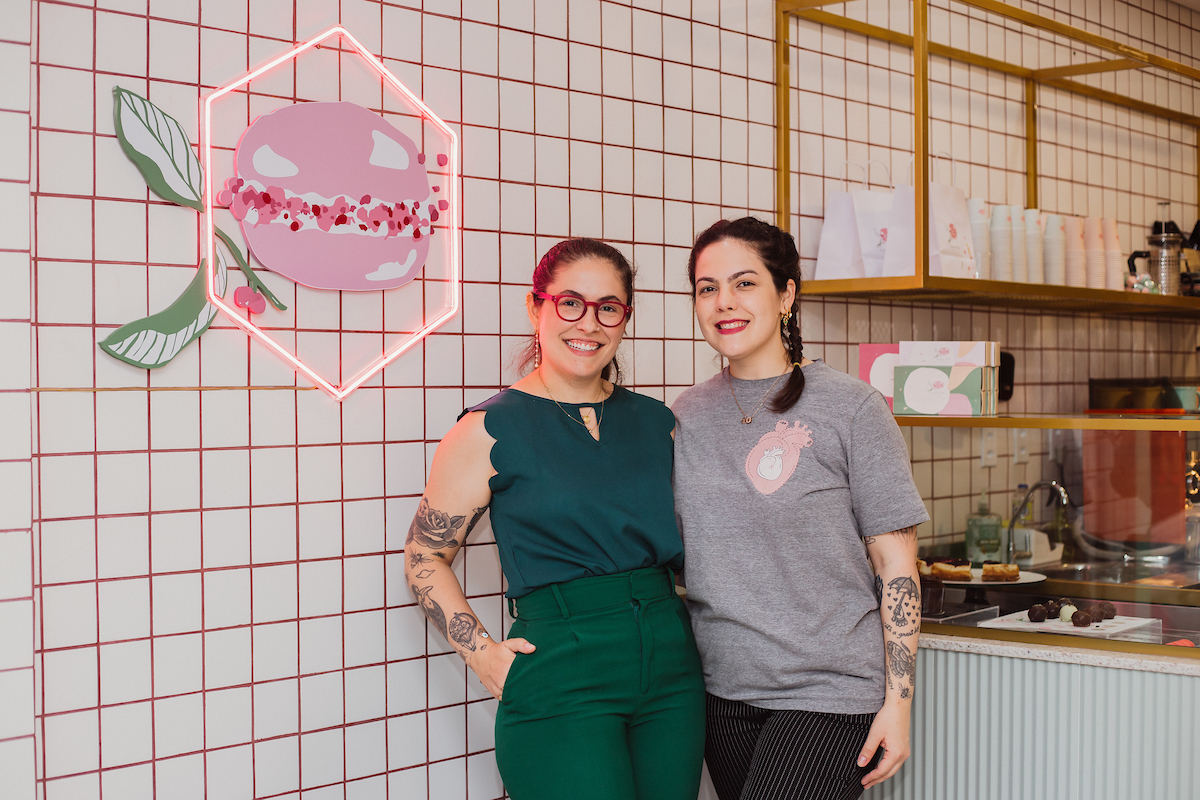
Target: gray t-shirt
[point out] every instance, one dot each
(781, 591)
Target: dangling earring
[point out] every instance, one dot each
(784, 319)
(537, 352)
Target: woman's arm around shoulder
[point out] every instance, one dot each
(456, 496)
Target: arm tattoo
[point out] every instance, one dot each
(879, 591)
(909, 534)
(902, 666)
(474, 518)
(416, 559)
(905, 599)
(430, 606)
(462, 629)
(434, 529)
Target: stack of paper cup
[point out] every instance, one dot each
(1075, 260)
(1115, 268)
(1054, 251)
(1093, 245)
(977, 212)
(1033, 245)
(1020, 264)
(1000, 236)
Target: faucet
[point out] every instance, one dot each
(1062, 496)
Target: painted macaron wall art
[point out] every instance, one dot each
(333, 196)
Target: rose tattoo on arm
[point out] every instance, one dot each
(434, 529)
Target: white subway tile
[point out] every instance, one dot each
(363, 638)
(68, 615)
(128, 734)
(277, 765)
(71, 743)
(178, 664)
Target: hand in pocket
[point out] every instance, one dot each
(492, 665)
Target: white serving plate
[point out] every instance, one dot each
(1109, 628)
(977, 580)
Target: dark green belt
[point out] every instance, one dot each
(593, 593)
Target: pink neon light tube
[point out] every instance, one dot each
(455, 276)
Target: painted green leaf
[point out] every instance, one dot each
(156, 339)
(156, 142)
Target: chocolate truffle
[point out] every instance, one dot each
(1052, 608)
(1037, 613)
(1081, 619)
(1065, 612)
(1110, 611)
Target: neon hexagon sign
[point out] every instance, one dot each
(383, 223)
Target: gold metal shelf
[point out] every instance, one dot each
(936, 289)
(1073, 422)
(924, 286)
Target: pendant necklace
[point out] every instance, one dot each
(560, 407)
(748, 418)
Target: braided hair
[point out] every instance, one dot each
(564, 254)
(777, 251)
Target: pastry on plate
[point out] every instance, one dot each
(1001, 572)
(952, 572)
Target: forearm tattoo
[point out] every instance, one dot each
(901, 668)
(463, 628)
(431, 607)
(904, 598)
(879, 591)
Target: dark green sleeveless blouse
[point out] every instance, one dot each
(566, 506)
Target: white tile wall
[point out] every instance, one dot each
(214, 602)
(18, 722)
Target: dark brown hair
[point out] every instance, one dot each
(563, 254)
(777, 251)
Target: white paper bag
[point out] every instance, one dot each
(951, 249)
(871, 215)
(839, 255)
(900, 259)
(854, 235)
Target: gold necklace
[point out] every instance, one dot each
(560, 408)
(748, 418)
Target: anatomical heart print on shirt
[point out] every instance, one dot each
(773, 459)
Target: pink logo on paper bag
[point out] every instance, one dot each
(333, 196)
(773, 459)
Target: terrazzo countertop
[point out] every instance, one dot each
(1064, 655)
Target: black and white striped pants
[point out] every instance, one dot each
(758, 754)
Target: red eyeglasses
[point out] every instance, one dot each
(571, 308)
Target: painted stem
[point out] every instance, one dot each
(251, 278)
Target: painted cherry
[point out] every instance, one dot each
(250, 299)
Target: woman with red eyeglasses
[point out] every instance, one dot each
(600, 689)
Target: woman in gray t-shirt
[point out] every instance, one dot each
(798, 512)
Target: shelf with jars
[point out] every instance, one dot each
(924, 286)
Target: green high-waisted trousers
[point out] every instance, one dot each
(611, 704)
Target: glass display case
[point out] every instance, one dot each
(1120, 542)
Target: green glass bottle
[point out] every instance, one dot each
(985, 537)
